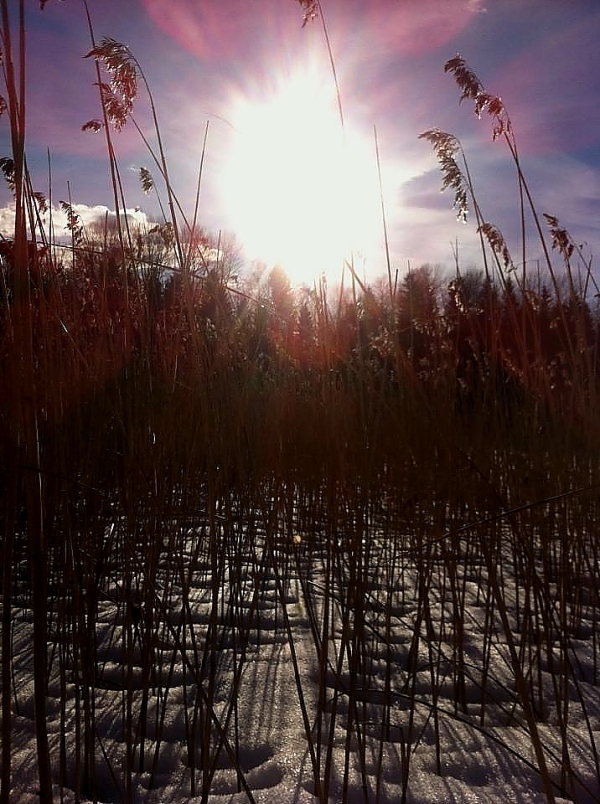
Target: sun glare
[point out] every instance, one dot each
(301, 190)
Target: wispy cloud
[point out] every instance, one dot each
(562, 186)
(477, 6)
(552, 93)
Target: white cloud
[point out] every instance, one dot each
(7, 220)
(92, 217)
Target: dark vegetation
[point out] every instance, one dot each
(418, 437)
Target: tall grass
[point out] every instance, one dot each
(177, 454)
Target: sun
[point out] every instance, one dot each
(301, 188)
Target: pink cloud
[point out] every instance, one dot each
(410, 28)
(219, 31)
(222, 31)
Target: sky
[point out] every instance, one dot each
(309, 166)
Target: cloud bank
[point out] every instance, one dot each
(93, 218)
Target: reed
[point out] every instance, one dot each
(398, 490)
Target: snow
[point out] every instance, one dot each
(235, 634)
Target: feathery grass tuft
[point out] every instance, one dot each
(311, 10)
(496, 240)
(7, 167)
(146, 180)
(472, 89)
(120, 65)
(446, 146)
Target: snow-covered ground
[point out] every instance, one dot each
(272, 661)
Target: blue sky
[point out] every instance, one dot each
(206, 61)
